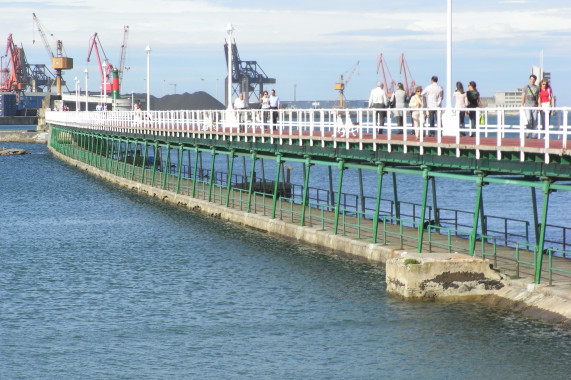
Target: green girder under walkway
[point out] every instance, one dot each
(112, 154)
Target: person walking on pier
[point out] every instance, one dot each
(275, 105)
(378, 99)
(399, 98)
(461, 103)
(265, 106)
(434, 94)
(239, 105)
(474, 101)
(530, 98)
(417, 101)
(546, 101)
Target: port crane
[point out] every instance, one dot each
(247, 76)
(105, 68)
(409, 88)
(123, 55)
(13, 78)
(60, 61)
(381, 64)
(340, 86)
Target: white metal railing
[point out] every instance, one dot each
(341, 126)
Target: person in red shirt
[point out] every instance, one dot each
(546, 101)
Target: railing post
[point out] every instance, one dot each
(426, 177)
(145, 154)
(154, 163)
(230, 171)
(341, 167)
(211, 179)
(195, 171)
(276, 184)
(166, 166)
(252, 175)
(180, 154)
(540, 244)
(305, 189)
(380, 174)
(479, 184)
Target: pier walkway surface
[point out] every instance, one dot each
(128, 145)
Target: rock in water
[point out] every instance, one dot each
(12, 152)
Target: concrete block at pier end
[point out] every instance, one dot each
(441, 276)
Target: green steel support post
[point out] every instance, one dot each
(252, 174)
(180, 153)
(305, 189)
(91, 150)
(134, 160)
(230, 172)
(332, 201)
(145, 154)
(109, 162)
(546, 192)
(378, 204)
(125, 160)
(483, 222)
(341, 166)
(535, 216)
(156, 147)
(276, 184)
(426, 177)
(104, 147)
(119, 148)
(166, 166)
(195, 171)
(434, 202)
(479, 185)
(211, 179)
(395, 196)
(361, 194)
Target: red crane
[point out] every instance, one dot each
(404, 70)
(13, 77)
(107, 75)
(381, 64)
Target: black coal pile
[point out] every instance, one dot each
(197, 101)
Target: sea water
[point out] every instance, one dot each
(97, 282)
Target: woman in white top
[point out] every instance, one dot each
(265, 102)
(461, 102)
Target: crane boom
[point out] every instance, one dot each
(43, 35)
(381, 64)
(105, 76)
(403, 70)
(123, 53)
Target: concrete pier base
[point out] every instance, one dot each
(430, 276)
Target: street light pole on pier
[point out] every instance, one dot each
(229, 30)
(148, 50)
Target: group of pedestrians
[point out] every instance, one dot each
(430, 99)
(266, 103)
(463, 100)
(433, 94)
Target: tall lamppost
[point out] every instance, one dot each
(76, 94)
(86, 92)
(104, 85)
(148, 50)
(229, 30)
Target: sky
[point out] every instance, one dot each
(305, 44)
